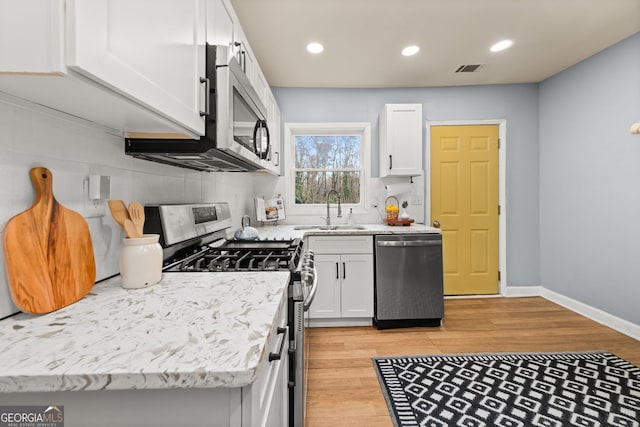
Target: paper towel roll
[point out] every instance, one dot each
(396, 189)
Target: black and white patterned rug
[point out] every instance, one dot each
(511, 389)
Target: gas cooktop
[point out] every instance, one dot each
(241, 255)
(193, 238)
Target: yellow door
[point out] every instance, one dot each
(464, 202)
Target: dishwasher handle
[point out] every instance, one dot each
(405, 243)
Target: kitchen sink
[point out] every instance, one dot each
(330, 227)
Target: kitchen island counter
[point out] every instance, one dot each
(191, 330)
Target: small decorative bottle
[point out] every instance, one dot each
(404, 214)
(351, 220)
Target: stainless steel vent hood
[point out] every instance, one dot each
(219, 150)
(188, 155)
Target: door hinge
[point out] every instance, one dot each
(498, 143)
(499, 276)
(499, 210)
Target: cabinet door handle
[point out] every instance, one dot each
(278, 355)
(344, 270)
(207, 95)
(390, 162)
(337, 271)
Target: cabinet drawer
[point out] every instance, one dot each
(262, 393)
(356, 244)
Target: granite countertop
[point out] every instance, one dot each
(191, 330)
(288, 231)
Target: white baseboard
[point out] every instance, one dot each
(613, 322)
(623, 326)
(595, 314)
(522, 291)
(357, 321)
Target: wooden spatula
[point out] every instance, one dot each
(131, 230)
(48, 252)
(136, 212)
(119, 211)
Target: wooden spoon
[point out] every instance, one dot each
(119, 211)
(131, 230)
(136, 212)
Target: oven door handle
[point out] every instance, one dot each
(312, 293)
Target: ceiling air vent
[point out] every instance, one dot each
(468, 68)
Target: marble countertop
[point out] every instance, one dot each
(191, 330)
(288, 231)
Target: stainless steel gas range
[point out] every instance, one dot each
(194, 239)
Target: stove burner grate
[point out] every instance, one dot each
(233, 255)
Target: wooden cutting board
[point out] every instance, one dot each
(48, 252)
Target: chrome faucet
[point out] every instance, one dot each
(339, 207)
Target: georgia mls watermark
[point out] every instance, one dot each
(32, 416)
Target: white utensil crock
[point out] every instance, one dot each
(141, 261)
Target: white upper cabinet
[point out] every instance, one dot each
(136, 67)
(224, 28)
(132, 66)
(261, 86)
(220, 22)
(401, 140)
(31, 36)
(273, 120)
(151, 51)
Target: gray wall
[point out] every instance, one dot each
(590, 181)
(517, 104)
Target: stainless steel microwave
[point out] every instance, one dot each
(236, 131)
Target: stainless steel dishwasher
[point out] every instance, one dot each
(408, 280)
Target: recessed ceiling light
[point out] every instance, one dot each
(410, 50)
(315, 47)
(501, 45)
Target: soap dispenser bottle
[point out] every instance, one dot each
(351, 220)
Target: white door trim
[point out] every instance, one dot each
(502, 188)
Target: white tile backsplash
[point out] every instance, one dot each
(192, 189)
(48, 136)
(6, 186)
(6, 126)
(173, 189)
(147, 188)
(31, 137)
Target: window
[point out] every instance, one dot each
(326, 156)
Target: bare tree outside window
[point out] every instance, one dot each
(325, 162)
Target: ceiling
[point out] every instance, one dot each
(363, 39)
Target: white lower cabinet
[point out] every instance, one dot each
(265, 402)
(344, 265)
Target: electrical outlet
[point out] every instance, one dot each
(415, 199)
(92, 207)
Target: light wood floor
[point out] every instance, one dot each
(343, 388)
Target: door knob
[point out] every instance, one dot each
(436, 223)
